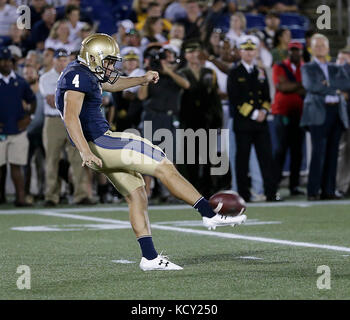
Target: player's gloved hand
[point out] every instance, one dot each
(150, 76)
(89, 158)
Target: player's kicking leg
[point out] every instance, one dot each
(182, 189)
(114, 148)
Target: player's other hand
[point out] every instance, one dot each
(151, 77)
(89, 158)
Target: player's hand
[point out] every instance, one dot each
(150, 77)
(89, 158)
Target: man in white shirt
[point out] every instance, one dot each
(55, 138)
(8, 16)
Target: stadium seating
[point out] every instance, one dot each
(255, 21)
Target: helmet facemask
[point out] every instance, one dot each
(108, 71)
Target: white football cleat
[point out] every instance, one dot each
(159, 263)
(219, 220)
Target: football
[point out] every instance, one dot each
(228, 203)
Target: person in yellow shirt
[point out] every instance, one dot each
(154, 10)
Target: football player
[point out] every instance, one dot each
(122, 157)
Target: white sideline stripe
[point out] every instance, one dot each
(203, 232)
(301, 204)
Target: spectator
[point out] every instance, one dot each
(176, 10)
(19, 38)
(14, 122)
(200, 108)
(264, 57)
(177, 35)
(280, 45)
(16, 54)
(55, 138)
(154, 10)
(122, 119)
(59, 37)
(192, 20)
(238, 24)
(242, 6)
(287, 109)
(161, 101)
(221, 67)
(34, 59)
(249, 96)
(152, 33)
(34, 134)
(41, 29)
(8, 16)
(85, 14)
(74, 23)
(214, 42)
(123, 27)
(272, 21)
(86, 30)
(325, 116)
(132, 38)
(277, 5)
(343, 172)
(36, 10)
(47, 60)
(130, 94)
(139, 10)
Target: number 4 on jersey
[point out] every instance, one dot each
(76, 81)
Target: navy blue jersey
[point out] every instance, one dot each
(78, 77)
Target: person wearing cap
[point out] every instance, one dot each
(325, 116)
(249, 97)
(200, 109)
(55, 138)
(123, 27)
(287, 108)
(123, 99)
(14, 120)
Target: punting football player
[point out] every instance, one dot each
(122, 157)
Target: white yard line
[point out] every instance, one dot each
(301, 204)
(222, 235)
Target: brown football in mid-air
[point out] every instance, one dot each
(228, 203)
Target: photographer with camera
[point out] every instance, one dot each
(161, 101)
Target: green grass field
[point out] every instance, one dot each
(70, 252)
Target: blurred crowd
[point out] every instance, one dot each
(266, 84)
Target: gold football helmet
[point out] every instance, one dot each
(100, 52)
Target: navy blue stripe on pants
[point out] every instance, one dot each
(108, 142)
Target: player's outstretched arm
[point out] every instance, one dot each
(73, 101)
(128, 82)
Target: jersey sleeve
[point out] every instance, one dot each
(76, 81)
